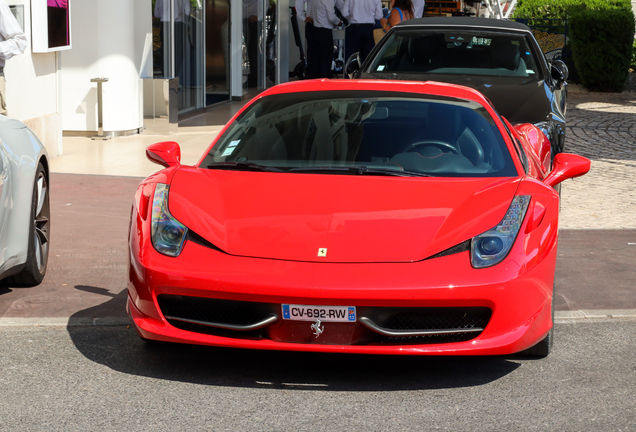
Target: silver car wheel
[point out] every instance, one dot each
(41, 222)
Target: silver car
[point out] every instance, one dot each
(24, 205)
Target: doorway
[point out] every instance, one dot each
(217, 51)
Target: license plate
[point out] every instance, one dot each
(323, 313)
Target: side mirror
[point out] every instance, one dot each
(352, 67)
(166, 153)
(566, 166)
(559, 72)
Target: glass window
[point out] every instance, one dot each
(365, 132)
(457, 52)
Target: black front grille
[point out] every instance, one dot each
(227, 312)
(413, 319)
(212, 310)
(438, 319)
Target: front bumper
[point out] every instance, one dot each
(519, 298)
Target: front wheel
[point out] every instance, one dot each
(34, 269)
(544, 347)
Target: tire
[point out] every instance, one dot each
(544, 347)
(34, 268)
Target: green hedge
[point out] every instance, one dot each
(602, 43)
(559, 9)
(601, 36)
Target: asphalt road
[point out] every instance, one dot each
(106, 378)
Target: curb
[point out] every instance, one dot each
(582, 315)
(64, 322)
(560, 317)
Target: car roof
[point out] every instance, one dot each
(486, 23)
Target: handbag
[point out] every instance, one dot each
(378, 34)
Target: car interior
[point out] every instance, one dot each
(434, 137)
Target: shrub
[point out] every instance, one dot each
(602, 43)
(601, 36)
(633, 65)
(559, 9)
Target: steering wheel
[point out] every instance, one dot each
(442, 145)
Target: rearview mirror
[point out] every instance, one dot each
(166, 153)
(566, 166)
(353, 65)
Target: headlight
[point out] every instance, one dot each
(167, 233)
(492, 247)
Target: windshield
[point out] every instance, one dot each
(457, 52)
(377, 133)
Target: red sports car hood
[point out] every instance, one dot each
(336, 218)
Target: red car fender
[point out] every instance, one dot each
(537, 142)
(541, 224)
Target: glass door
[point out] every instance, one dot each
(259, 43)
(217, 51)
(188, 53)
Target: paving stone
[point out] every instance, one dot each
(601, 127)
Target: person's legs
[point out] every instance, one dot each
(366, 41)
(352, 41)
(3, 104)
(323, 40)
(310, 53)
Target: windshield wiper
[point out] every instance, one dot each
(242, 166)
(361, 170)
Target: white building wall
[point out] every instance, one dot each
(32, 89)
(108, 41)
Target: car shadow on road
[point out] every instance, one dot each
(121, 349)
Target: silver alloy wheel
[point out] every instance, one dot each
(41, 222)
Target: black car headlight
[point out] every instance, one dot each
(168, 234)
(492, 247)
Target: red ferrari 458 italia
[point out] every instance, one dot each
(357, 217)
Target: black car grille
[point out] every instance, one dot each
(201, 315)
(433, 319)
(227, 312)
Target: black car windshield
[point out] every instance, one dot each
(456, 52)
(362, 132)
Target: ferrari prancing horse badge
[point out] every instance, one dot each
(317, 329)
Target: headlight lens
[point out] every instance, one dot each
(167, 233)
(492, 247)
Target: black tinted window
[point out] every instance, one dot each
(456, 52)
(388, 131)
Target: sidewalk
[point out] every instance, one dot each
(126, 155)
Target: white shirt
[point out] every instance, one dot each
(418, 8)
(301, 7)
(323, 14)
(12, 38)
(362, 11)
(182, 8)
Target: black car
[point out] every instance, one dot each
(501, 59)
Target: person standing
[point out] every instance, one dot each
(401, 10)
(325, 19)
(418, 8)
(362, 15)
(302, 11)
(12, 42)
